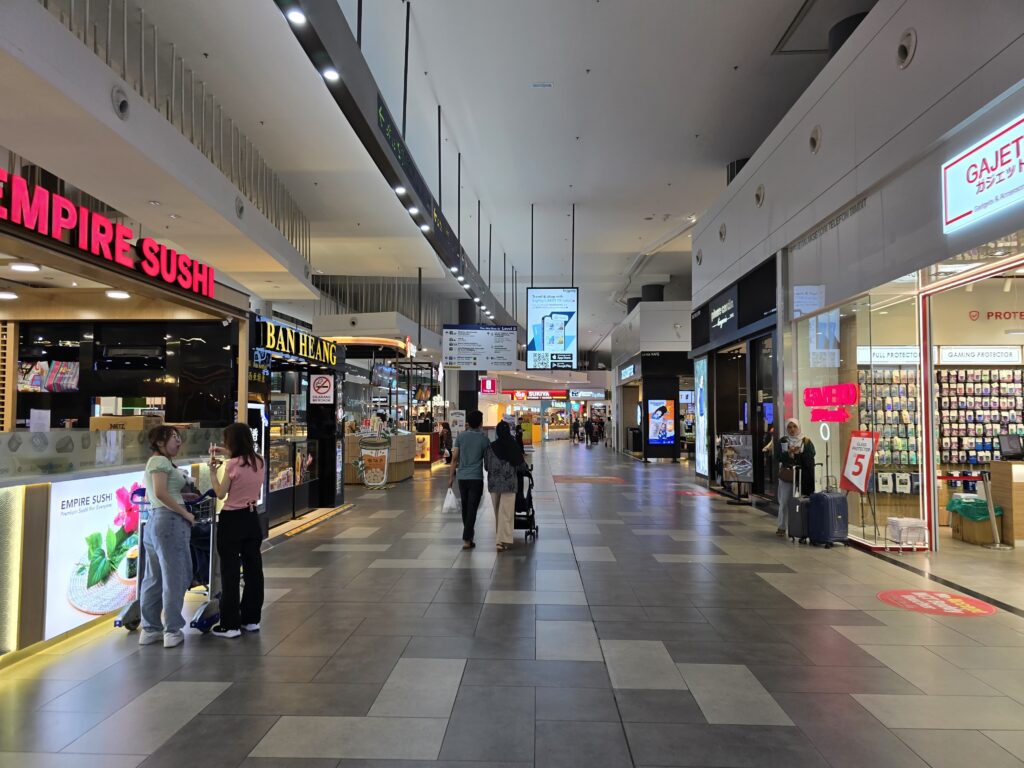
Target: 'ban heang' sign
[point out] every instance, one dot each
(38, 210)
(984, 178)
(826, 403)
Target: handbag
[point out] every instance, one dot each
(785, 473)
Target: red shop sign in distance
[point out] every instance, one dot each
(38, 210)
(536, 394)
(826, 403)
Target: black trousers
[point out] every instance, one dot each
(239, 536)
(471, 492)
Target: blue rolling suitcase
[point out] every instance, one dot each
(828, 519)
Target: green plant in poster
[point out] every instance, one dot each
(106, 554)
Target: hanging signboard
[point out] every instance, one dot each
(860, 455)
(979, 356)
(476, 347)
(552, 328)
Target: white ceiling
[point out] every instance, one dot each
(675, 90)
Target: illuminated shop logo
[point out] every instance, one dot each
(828, 403)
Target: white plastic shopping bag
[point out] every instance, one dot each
(452, 503)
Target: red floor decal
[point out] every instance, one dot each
(936, 603)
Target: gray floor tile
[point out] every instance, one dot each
(268, 669)
(930, 673)
(392, 738)
(351, 699)
(491, 723)
(845, 734)
(810, 679)
(420, 688)
(944, 712)
(729, 694)
(567, 674)
(781, 654)
(658, 707)
(25, 731)
(567, 641)
(954, 749)
(471, 648)
(1011, 741)
(568, 744)
(643, 664)
(363, 659)
(562, 613)
(980, 657)
(507, 621)
(61, 760)
(559, 581)
(577, 704)
(31, 694)
(665, 631)
(212, 740)
(721, 746)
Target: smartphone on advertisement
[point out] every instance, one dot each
(558, 331)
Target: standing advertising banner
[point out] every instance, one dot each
(457, 421)
(661, 422)
(552, 328)
(700, 378)
(737, 458)
(860, 456)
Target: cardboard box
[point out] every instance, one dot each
(127, 423)
(974, 531)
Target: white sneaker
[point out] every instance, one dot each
(172, 639)
(220, 631)
(251, 627)
(148, 637)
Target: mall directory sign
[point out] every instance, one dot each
(476, 347)
(552, 329)
(700, 377)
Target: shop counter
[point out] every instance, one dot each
(428, 447)
(69, 549)
(401, 457)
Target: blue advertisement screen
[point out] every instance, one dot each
(700, 375)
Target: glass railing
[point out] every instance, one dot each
(43, 456)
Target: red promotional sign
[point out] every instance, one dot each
(826, 402)
(488, 386)
(860, 456)
(47, 213)
(536, 394)
(936, 603)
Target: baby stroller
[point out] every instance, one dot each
(525, 519)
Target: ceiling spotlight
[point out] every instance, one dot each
(476, 299)
(425, 227)
(175, 216)
(8, 295)
(24, 267)
(455, 270)
(399, 190)
(413, 210)
(155, 203)
(331, 74)
(118, 295)
(467, 287)
(74, 284)
(461, 279)
(483, 307)
(296, 17)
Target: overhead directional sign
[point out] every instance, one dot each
(476, 347)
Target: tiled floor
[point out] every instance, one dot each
(645, 627)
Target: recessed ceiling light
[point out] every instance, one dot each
(461, 279)
(399, 190)
(483, 307)
(467, 287)
(413, 210)
(118, 295)
(331, 74)
(175, 216)
(455, 270)
(425, 227)
(154, 203)
(24, 267)
(74, 284)
(296, 17)
(8, 295)
(476, 299)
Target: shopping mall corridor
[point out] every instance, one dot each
(649, 625)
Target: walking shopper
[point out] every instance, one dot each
(502, 460)
(166, 539)
(575, 431)
(446, 441)
(795, 454)
(468, 465)
(588, 428)
(239, 534)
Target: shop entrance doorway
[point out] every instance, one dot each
(762, 369)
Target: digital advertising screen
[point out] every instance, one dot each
(661, 422)
(552, 328)
(700, 375)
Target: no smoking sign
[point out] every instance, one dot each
(321, 389)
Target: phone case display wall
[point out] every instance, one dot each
(974, 406)
(889, 405)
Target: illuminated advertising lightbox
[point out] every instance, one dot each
(661, 422)
(700, 377)
(552, 329)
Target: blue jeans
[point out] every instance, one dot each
(168, 570)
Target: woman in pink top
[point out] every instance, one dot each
(239, 535)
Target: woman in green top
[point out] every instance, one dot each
(166, 539)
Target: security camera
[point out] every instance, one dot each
(226, 322)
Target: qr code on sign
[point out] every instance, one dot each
(541, 360)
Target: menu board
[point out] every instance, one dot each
(475, 347)
(552, 328)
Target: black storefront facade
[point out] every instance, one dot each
(296, 381)
(735, 352)
(647, 389)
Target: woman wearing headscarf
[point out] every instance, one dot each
(795, 454)
(501, 460)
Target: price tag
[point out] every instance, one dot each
(860, 454)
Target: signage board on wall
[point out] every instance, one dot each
(807, 299)
(46, 213)
(984, 178)
(587, 394)
(661, 422)
(700, 377)
(477, 347)
(321, 389)
(536, 394)
(627, 372)
(823, 340)
(488, 386)
(722, 314)
(297, 343)
(552, 328)
(979, 356)
(92, 550)
(900, 355)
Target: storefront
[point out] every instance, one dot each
(103, 335)
(734, 343)
(546, 411)
(924, 369)
(295, 383)
(647, 404)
